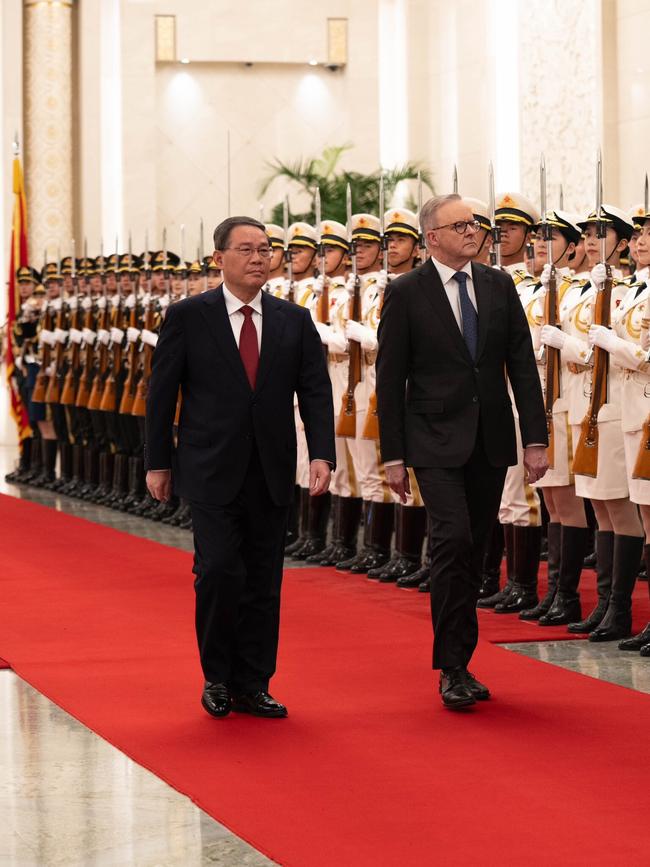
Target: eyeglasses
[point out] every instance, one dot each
(461, 226)
(246, 252)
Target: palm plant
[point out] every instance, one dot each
(324, 174)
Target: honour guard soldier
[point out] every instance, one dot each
(520, 512)
(277, 283)
(402, 237)
(376, 495)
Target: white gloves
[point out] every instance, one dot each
(333, 339)
(76, 336)
(89, 336)
(87, 303)
(60, 335)
(363, 335)
(101, 302)
(115, 300)
(545, 277)
(72, 302)
(552, 336)
(149, 337)
(598, 275)
(117, 335)
(56, 304)
(645, 339)
(103, 336)
(324, 332)
(349, 283)
(130, 301)
(603, 337)
(382, 279)
(47, 336)
(132, 334)
(163, 301)
(319, 282)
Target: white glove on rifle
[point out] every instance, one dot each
(87, 303)
(319, 282)
(552, 336)
(101, 302)
(363, 335)
(149, 337)
(382, 279)
(47, 336)
(598, 275)
(76, 336)
(103, 336)
(61, 335)
(117, 335)
(604, 337)
(349, 283)
(89, 336)
(132, 334)
(545, 276)
(130, 301)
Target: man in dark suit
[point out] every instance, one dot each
(238, 356)
(451, 334)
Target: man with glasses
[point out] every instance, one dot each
(238, 355)
(452, 333)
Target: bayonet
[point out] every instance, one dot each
(287, 251)
(646, 197)
(455, 179)
(495, 253)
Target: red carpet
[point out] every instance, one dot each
(368, 769)
(4, 664)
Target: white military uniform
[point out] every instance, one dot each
(520, 501)
(561, 473)
(576, 316)
(635, 392)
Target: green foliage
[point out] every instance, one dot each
(323, 173)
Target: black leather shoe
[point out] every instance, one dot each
(216, 699)
(454, 689)
(520, 598)
(637, 641)
(645, 650)
(425, 586)
(479, 690)
(258, 704)
(562, 611)
(414, 579)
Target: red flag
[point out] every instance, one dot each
(17, 259)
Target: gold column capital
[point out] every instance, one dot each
(52, 3)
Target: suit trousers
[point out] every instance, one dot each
(462, 505)
(239, 551)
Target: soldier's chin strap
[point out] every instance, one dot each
(566, 247)
(485, 237)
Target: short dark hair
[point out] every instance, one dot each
(222, 232)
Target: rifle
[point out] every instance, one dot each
(371, 423)
(42, 378)
(324, 300)
(287, 252)
(585, 461)
(495, 252)
(109, 397)
(130, 383)
(346, 425)
(53, 393)
(140, 401)
(88, 360)
(69, 391)
(552, 355)
(99, 382)
(642, 464)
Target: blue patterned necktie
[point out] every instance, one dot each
(468, 314)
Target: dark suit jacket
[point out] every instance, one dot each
(431, 396)
(221, 416)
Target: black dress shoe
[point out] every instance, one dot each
(414, 579)
(216, 699)
(520, 598)
(479, 690)
(258, 704)
(425, 586)
(637, 641)
(645, 650)
(455, 689)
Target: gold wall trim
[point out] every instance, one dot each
(31, 4)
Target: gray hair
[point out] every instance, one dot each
(429, 212)
(222, 232)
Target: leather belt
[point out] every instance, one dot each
(572, 367)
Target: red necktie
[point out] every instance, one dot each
(248, 346)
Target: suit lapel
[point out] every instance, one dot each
(214, 310)
(273, 322)
(483, 289)
(437, 297)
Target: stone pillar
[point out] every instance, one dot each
(48, 125)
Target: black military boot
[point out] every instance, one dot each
(523, 595)
(35, 462)
(346, 531)
(381, 523)
(566, 605)
(604, 563)
(501, 595)
(24, 460)
(411, 524)
(65, 467)
(120, 480)
(331, 545)
(135, 496)
(105, 478)
(553, 537)
(317, 520)
(617, 622)
(91, 472)
(637, 642)
(76, 479)
(303, 523)
(492, 563)
(345, 564)
(48, 458)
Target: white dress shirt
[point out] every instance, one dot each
(233, 308)
(451, 287)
